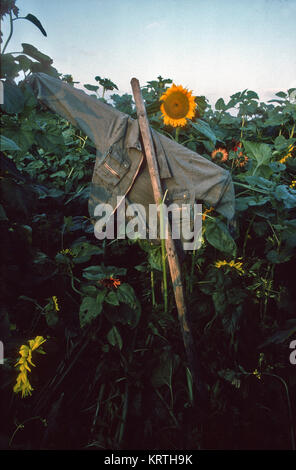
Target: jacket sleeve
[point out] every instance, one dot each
(103, 124)
(198, 179)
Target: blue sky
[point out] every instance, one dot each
(213, 47)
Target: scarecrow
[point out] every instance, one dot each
(136, 164)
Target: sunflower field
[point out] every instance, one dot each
(93, 354)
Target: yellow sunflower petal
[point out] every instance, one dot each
(35, 343)
(24, 350)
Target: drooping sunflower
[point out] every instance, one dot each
(177, 105)
(22, 382)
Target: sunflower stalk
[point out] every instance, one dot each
(22, 425)
(163, 257)
(152, 288)
(191, 271)
(289, 406)
(121, 428)
(242, 128)
(10, 33)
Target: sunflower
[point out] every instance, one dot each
(178, 105)
(241, 160)
(231, 264)
(220, 154)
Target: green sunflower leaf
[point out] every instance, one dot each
(204, 129)
(218, 236)
(7, 144)
(89, 310)
(114, 337)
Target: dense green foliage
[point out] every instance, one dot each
(115, 375)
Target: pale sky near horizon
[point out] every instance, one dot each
(213, 47)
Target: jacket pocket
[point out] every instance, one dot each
(114, 166)
(178, 196)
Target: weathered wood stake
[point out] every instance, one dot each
(172, 256)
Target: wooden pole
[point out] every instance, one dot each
(172, 256)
